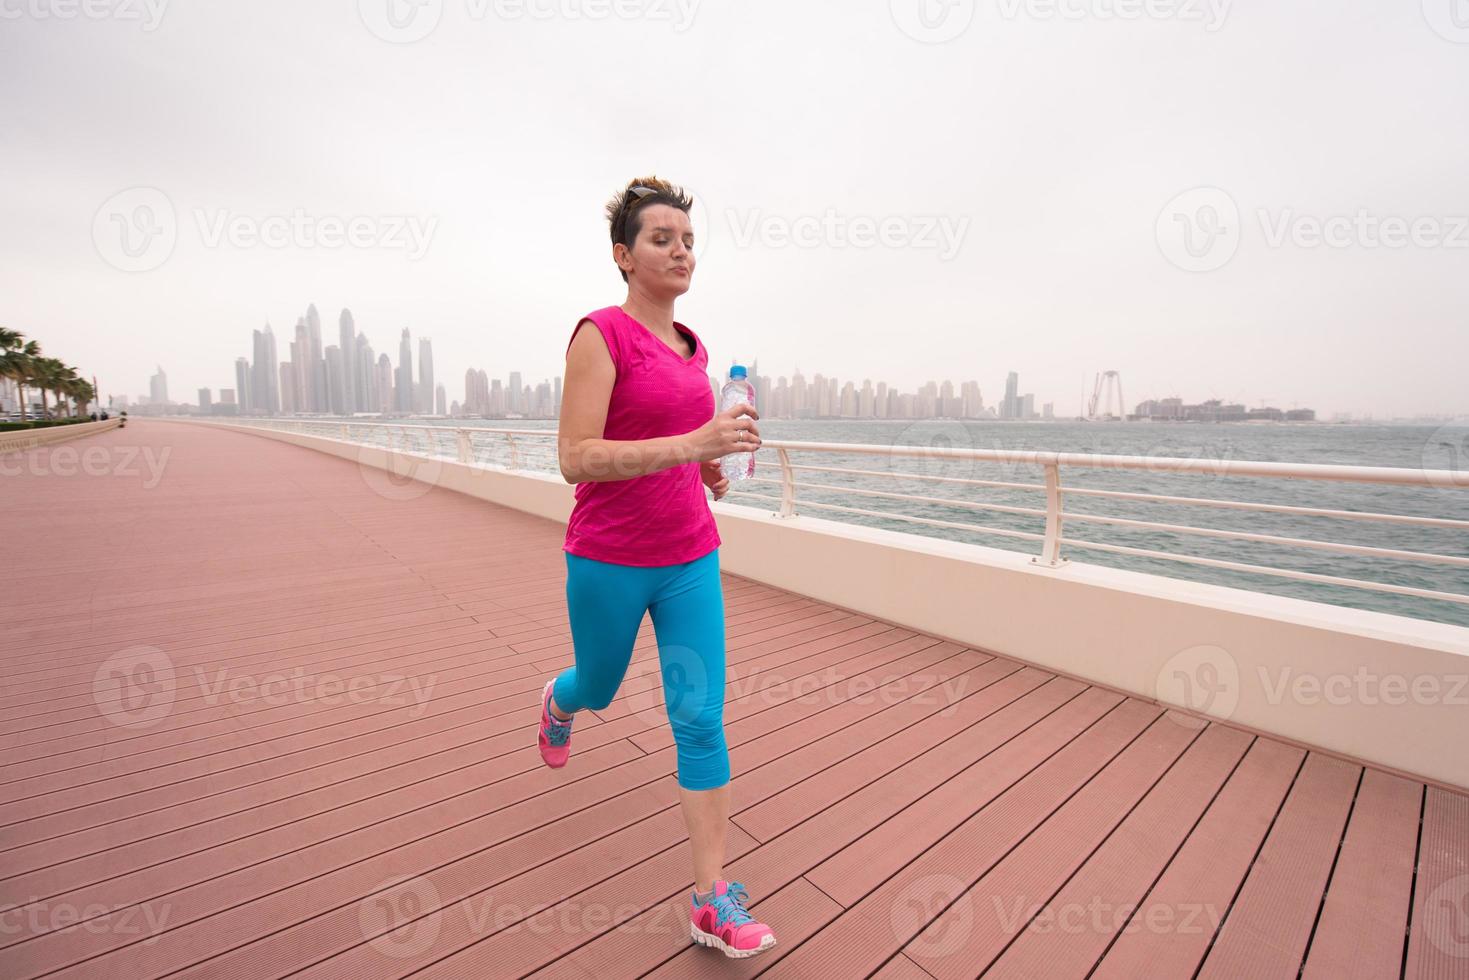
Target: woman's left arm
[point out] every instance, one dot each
(713, 478)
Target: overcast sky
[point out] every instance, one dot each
(1259, 202)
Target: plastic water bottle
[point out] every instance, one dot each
(737, 466)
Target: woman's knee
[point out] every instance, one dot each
(702, 733)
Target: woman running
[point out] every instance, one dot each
(640, 438)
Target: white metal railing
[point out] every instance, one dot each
(467, 442)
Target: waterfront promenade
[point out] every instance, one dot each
(265, 715)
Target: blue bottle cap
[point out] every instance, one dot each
(737, 371)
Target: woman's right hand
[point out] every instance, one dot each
(720, 436)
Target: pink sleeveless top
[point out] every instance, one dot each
(660, 518)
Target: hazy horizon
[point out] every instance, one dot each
(1027, 172)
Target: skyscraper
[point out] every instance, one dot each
(425, 376)
(405, 399)
(242, 383)
(385, 394)
(158, 388)
(297, 388)
(265, 397)
(315, 367)
(366, 366)
(1010, 407)
(336, 386)
(347, 332)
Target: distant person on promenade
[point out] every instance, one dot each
(640, 438)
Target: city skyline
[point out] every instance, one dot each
(321, 380)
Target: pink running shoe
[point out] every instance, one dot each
(724, 923)
(554, 738)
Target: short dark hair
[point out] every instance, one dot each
(625, 208)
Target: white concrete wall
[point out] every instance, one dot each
(1389, 690)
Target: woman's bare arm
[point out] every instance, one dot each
(585, 456)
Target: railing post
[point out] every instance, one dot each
(1050, 555)
(514, 454)
(346, 436)
(787, 487)
(466, 452)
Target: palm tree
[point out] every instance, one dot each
(65, 378)
(10, 355)
(22, 362)
(82, 393)
(45, 373)
(17, 362)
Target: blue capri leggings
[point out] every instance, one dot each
(606, 603)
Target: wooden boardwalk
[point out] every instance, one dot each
(265, 717)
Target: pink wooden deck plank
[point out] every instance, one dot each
(1206, 872)
(1438, 940)
(868, 933)
(1036, 867)
(1364, 922)
(1070, 929)
(1266, 931)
